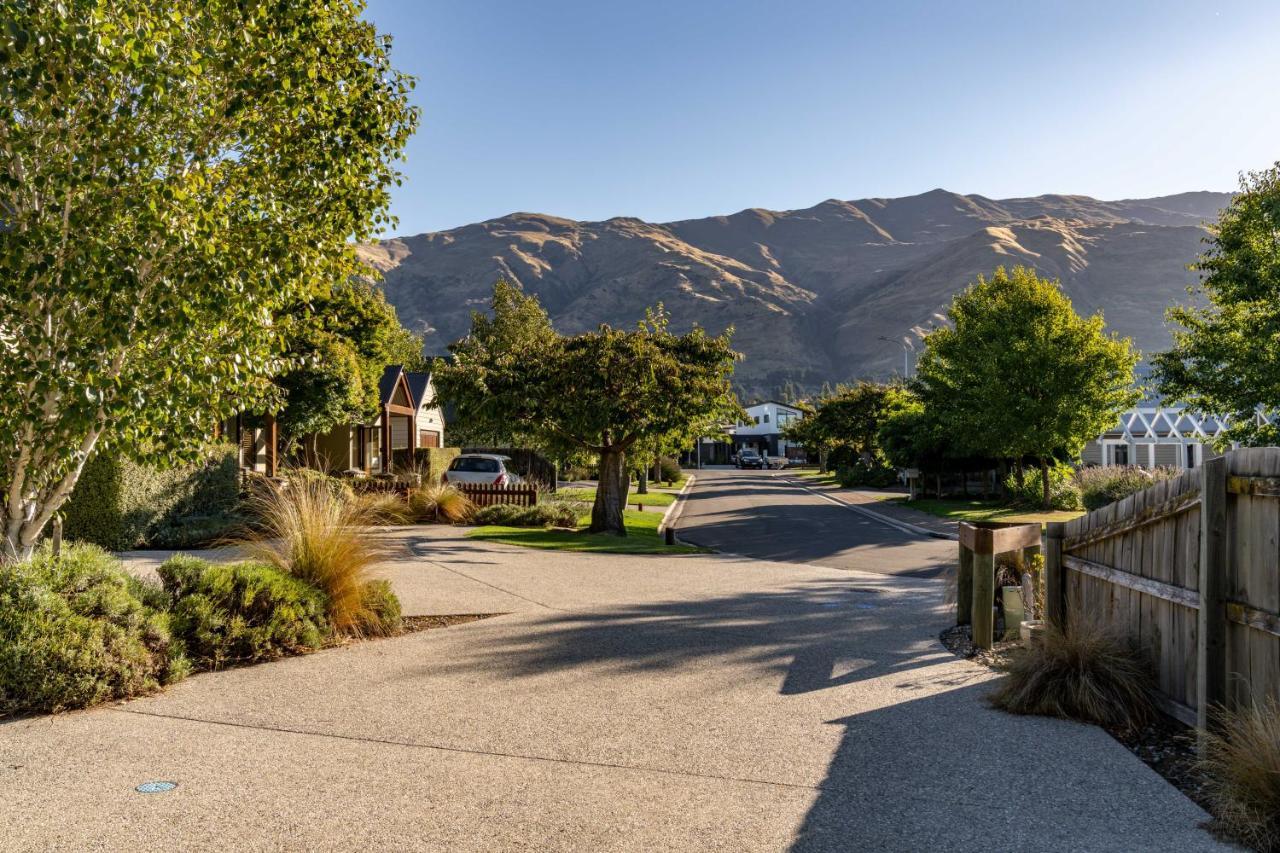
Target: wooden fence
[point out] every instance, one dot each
(487, 494)
(1191, 569)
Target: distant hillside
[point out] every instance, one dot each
(810, 292)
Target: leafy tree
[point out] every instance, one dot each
(1224, 358)
(602, 391)
(1022, 374)
(339, 344)
(848, 419)
(172, 175)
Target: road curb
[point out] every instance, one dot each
(672, 514)
(904, 526)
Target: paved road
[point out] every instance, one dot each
(761, 514)
(693, 702)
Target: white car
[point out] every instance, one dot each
(487, 468)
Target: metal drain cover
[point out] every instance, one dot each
(155, 787)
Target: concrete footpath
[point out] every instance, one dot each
(695, 702)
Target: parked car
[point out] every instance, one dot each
(776, 462)
(487, 468)
(750, 459)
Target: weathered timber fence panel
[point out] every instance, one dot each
(1137, 565)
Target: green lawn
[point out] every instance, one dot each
(816, 477)
(663, 498)
(642, 537)
(960, 509)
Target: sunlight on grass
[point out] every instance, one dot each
(642, 537)
(651, 499)
(982, 510)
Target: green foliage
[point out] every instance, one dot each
(1224, 357)
(380, 615)
(120, 504)
(174, 175)
(1020, 374)
(876, 474)
(669, 469)
(1064, 492)
(602, 391)
(545, 514)
(241, 612)
(1100, 486)
(847, 423)
(77, 631)
(339, 344)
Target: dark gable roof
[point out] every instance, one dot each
(387, 384)
(418, 386)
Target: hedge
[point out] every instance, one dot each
(431, 462)
(120, 504)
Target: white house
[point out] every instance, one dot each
(1158, 436)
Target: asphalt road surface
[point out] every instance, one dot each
(760, 514)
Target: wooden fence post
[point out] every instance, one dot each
(964, 586)
(984, 594)
(1211, 651)
(1055, 587)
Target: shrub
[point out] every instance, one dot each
(546, 514)
(241, 612)
(670, 469)
(1100, 486)
(322, 538)
(1086, 673)
(875, 474)
(1063, 492)
(79, 630)
(381, 616)
(435, 503)
(121, 504)
(1240, 761)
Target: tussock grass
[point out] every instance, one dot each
(385, 508)
(321, 537)
(1240, 761)
(440, 502)
(1088, 673)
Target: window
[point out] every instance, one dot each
(756, 419)
(766, 417)
(1191, 456)
(474, 464)
(1120, 454)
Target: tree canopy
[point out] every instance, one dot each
(848, 419)
(172, 176)
(339, 343)
(1019, 373)
(602, 391)
(1225, 358)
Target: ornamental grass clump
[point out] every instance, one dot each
(308, 530)
(385, 508)
(440, 502)
(1087, 673)
(1240, 760)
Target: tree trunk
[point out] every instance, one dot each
(1044, 483)
(642, 480)
(1019, 474)
(937, 482)
(611, 495)
(822, 460)
(657, 469)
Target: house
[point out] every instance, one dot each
(1156, 436)
(430, 419)
(407, 419)
(760, 431)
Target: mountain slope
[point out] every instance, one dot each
(810, 293)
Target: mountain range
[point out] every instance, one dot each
(812, 294)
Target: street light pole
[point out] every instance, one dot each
(906, 355)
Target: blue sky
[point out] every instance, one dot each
(672, 110)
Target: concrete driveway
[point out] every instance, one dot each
(699, 702)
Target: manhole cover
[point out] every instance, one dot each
(155, 787)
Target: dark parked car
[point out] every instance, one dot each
(750, 459)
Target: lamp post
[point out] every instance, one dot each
(907, 349)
